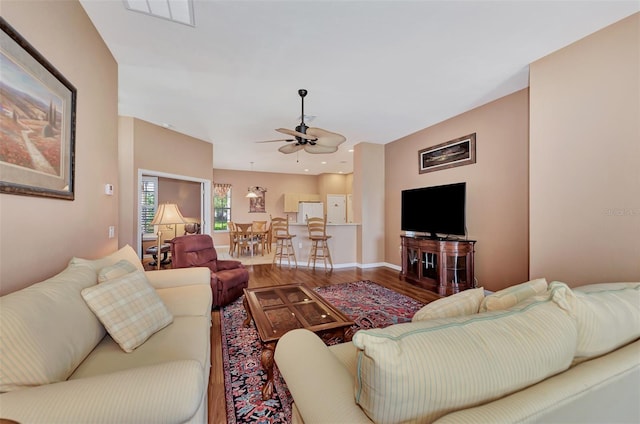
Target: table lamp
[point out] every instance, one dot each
(167, 213)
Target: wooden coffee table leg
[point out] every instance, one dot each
(347, 334)
(248, 319)
(266, 359)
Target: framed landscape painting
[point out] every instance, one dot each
(37, 116)
(458, 152)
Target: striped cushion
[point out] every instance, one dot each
(466, 302)
(129, 308)
(422, 371)
(46, 330)
(608, 317)
(511, 296)
(111, 272)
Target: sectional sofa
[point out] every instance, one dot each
(104, 341)
(535, 352)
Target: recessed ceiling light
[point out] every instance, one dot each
(180, 11)
(350, 150)
(323, 162)
(306, 170)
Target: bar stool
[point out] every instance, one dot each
(317, 228)
(284, 245)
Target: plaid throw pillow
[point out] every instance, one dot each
(129, 308)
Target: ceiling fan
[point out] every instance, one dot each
(312, 140)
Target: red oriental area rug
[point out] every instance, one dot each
(366, 303)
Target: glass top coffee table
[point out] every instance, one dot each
(278, 309)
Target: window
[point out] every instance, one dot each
(148, 203)
(221, 206)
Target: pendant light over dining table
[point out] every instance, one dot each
(251, 191)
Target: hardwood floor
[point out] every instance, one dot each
(266, 275)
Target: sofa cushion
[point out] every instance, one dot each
(186, 338)
(111, 272)
(193, 300)
(466, 302)
(126, 253)
(47, 330)
(424, 370)
(129, 308)
(510, 296)
(607, 315)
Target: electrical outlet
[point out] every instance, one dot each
(112, 231)
(299, 245)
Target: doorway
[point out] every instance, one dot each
(203, 212)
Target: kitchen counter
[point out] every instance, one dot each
(342, 244)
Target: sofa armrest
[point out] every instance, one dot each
(322, 388)
(179, 277)
(170, 392)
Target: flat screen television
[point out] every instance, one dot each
(437, 211)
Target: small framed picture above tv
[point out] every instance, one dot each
(458, 152)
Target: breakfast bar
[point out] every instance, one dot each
(342, 243)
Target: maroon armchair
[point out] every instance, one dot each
(228, 277)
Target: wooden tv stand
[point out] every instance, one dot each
(442, 266)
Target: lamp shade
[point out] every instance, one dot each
(168, 213)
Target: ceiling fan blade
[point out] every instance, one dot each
(326, 138)
(290, 148)
(274, 141)
(317, 148)
(295, 133)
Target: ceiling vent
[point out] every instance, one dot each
(180, 11)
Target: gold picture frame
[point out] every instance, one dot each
(458, 152)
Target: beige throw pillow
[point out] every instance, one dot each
(421, 371)
(129, 308)
(607, 316)
(125, 252)
(466, 302)
(46, 330)
(511, 296)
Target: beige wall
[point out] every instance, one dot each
(585, 159)
(38, 236)
(497, 186)
(158, 149)
(186, 194)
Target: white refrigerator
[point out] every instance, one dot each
(309, 209)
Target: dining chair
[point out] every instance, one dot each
(261, 231)
(245, 239)
(231, 227)
(317, 227)
(284, 245)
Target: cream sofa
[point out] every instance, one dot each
(60, 365)
(554, 355)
